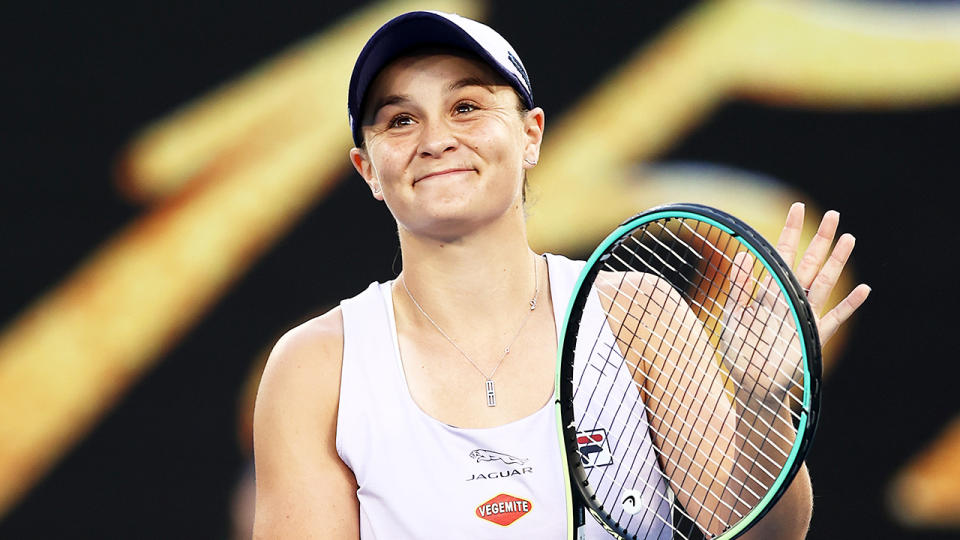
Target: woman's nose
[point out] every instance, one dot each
(436, 138)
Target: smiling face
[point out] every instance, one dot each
(444, 144)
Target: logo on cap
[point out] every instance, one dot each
(516, 63)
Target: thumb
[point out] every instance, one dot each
(740, 273)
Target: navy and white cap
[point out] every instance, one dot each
(424, 28)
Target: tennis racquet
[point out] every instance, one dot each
(688, 378)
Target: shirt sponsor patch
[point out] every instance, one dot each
(500, 474)
(504, 509)
(594, 449)
(491, 457)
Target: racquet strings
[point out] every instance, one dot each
(699, 261)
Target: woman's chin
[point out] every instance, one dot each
(448, 224)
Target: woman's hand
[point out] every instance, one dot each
(759, 342)
(818, 274)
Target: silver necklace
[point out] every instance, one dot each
(489, 384)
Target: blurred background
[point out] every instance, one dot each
(177, 195)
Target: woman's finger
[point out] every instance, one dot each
(789, 240)
(818, 249)
(832, 320)
(770, 296)
(741, 287)
(827, 278)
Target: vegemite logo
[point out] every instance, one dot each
(504, 509)
(593, 448)
(490, 455)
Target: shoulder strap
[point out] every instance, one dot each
(369, 379)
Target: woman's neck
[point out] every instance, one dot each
(471, 279)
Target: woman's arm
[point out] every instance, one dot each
(705, 457)
(676, 371)
(304, 490)
(789, 518)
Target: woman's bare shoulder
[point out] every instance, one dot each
(316, 337)
(300, 476)
(304, 365)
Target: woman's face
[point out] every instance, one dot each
(445, 144)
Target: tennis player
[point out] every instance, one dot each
(421, 408)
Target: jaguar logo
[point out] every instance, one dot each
(490, 455)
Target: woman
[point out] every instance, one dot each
(411, 408)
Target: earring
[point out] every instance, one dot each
(376, 189)
(528, 162)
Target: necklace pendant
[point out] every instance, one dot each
(491, 394)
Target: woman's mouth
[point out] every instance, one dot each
(442, 173)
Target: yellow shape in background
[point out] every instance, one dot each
(238, 167)
(298, 96)
(263, 160)
(927, 490)
(804, 53)
(821, 54)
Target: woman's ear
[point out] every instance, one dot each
(361, 162)
(533, 123)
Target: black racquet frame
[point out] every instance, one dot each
(581, 493)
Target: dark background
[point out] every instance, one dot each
(80, 80)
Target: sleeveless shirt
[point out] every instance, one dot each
(419, 478)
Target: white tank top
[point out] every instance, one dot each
(419, 478)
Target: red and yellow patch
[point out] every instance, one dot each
(504, 509)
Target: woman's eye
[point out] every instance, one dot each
(463, 108)
(400, 121)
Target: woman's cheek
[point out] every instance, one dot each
(388, 167)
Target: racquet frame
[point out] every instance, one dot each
(578, 496)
